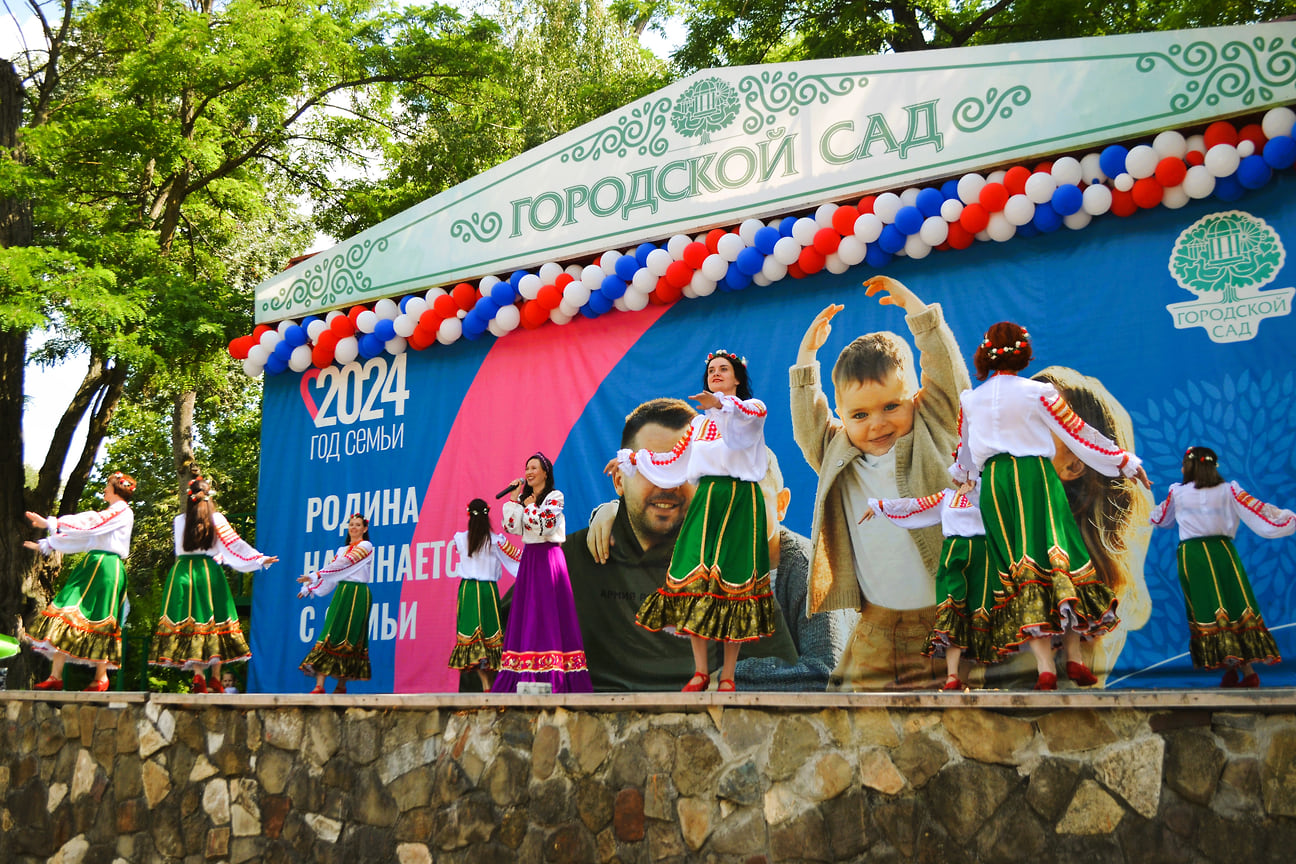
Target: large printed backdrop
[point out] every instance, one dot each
(409, 440)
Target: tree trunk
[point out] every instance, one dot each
(182, 420)
(106, 400)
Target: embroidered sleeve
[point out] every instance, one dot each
(506, 553)
(741, 423)
(1264, 519)
(345, 565)
(1094, 448)
(92, 522)
(544, 518)
(233, 550)
(665, 470)
(1163, 515)
(911, 513)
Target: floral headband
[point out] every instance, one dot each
(123, 481)
(995, 351)
(485, 509)
(544, 462)
(1207, 458)
(199, 495)
(732, 357)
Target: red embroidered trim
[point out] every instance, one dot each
(113, 512)
(1073, 425)
(741, 406)
(1163, 508)
(923, 504)
(227, 536)
(1258, 507)
(543, 661)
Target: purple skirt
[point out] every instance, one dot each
(542, 641)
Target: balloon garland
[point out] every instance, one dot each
(1223, 160)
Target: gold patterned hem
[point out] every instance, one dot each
(1230, 643)
(66, 633)
(711, 608)
(337, 661)
(190, 645)
(1038, 610)
(475, 655)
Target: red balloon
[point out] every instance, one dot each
(843, 220)
(1123, 203)
(679, 274)
(1045, 167)
(563, 280)
(355, 311)
(1220, 132)
(549, 297)
(238, 347)
(444, 306)
(1194, 157)
(430, 320)
(464, 296)
(993, 197)
(1255, 134)
(258, 330)
(974, 218)
(866, 204)
(321, 357)
(695, 254)
(534, 314)
(959, 237)
(1015, 179)
(826, 241)
(811, 260)
(1170, 171)
(328, 339)
(342, 326)
(667, 292)
(795, 271)
(713, 239)
(1147, 192)
(420, 340)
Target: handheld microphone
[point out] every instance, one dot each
(507, 489)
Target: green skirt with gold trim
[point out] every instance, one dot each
(1225, 627)
(343, 649)
(963, 580)
(83, 621)
(478, 638)
(199, 624)
(1047, 584)
(717, 586)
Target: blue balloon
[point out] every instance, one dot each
(765, 239)
(642, 252)
(1254, 171)
(309, 320)
(516, 277)
(503, 293)
(929, 202)
(613, 287)
(909, 220)
(736, 280)
(282, 349)
(1027, 230)
(1112, 160)
(370, 345)
(486, 307)
(1067, 199)
(404, 301)
(626, 266)
(275, 364)
(600, 303)
(875, 257)
(1280, 152)
(294, 336)
(588, 311)
(892, 239)
(785, 227)
(1046, 218)
(949, 189)
(750, 261)
(1229, 188)
(385, 330)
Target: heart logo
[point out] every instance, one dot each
(307, 384)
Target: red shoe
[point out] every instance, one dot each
(952, 683)
(50, 683)
(1252, 680)
(215, 686)
(340, 688)
(726, 686)
(1047, 681)
(699, 682)
(199, 683)
(1231, 678)
(1080, 674)
(97, 686)
(319, 688)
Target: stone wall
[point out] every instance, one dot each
(738, 779)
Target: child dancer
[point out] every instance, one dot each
(482, 554)
(343, 649)
(962, 577)
(199, 628)
(1225, 627)
(1010, 429)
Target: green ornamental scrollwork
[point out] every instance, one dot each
(1252, 70)
(482, 227)
(326, 280)
(770, 93)
(973, 114)
(641, 130)
(707, 106)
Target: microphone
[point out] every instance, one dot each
(507, 489)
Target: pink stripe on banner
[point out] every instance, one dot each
(527, 395)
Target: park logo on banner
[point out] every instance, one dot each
(1225, 259)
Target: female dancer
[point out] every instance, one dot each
(1225, 627)
(199, 628)
(1010, 429)
(482, 555)
(543, 640)
(343, 649)
(83, 621)
(717, 586)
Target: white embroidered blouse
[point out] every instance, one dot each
(1018, 416)
(106, 530)
(728, 441)
(958, 515)
(351, 564)
(227, 548)
(537, 523)
(486, 563)
(1215, 512)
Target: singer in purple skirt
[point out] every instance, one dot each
(542, 641)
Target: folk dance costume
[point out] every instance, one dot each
(1225, 627)
(717, 586)
(543, 640)
(1048, 585)
(83, 621)
(343, 649)
(199, 624)
(964, 583)
(479, 641)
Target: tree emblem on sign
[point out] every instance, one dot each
(706, 106)
(1224, 252)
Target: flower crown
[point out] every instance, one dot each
(994, 351)
(732, 357)
(1207, 458)
(199, 495)
(482, 512)
(123, 481)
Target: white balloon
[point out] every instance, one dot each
(886, 206)
(747, 230)
(1246, 147)
(1169, 143)
(773, 270)
(868, 227)
(568, 308)
(1077, 220)
(269, 339)
(804, 230)
(416, 306)
(834, 264)
(1040, 187)
(702, 287)
(1141, 161)
(688, 292)
(969, 188)
(366, 321)
(1174, 197)
(508, 317)
(1196, 143)
(619, 304)
(714, 267)
(560, 316)
(761, 279)
(1097, 200)
(1019, 210)
(450, 330)
(1199, 182)
(282, 329)
(314, 330)
(1091, 169)
(405, 325)
(592, 276)
(982, 236)
(659, 261)
(852, 250)
(574, 270)
(433, 293)
(576, 293)
(676, 245)
(909, 197)
(258, 354)
(1222, 160)
(729, 246)
(608, 260)
(934, 231)
(494, 328)
(487, 283)
(386, 309)
(346, 351)
(395, 345)
(1000, 229)
(635, 300)
(251, 369)
(529, 286)
(915, 248)
(951, 209)
(700, 238)
(1066, 171)
(328, 319)
(549, 272)
(644, 280)
(787, 250)
(1123, 182)
(996, 176)
(823, 215)
(1278, 121)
